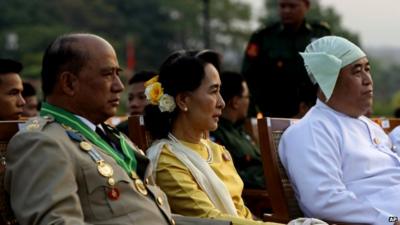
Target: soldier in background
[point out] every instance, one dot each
(136, 97)
(272, 65)
(11, 100)
(31, 107)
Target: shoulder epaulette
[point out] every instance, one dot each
(321, 24)
(37, 123)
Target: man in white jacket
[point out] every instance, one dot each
(342, 165)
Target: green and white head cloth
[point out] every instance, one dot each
(324, 57)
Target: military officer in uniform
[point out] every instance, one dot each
(273, 67)
(67, 167)
(231, 134)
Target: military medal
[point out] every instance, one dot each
(32, 126)
(105, 169)
(111, 181)
(113, 193)
(85, 146)
(140, 187)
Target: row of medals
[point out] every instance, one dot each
(107, 171)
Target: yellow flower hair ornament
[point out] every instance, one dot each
(155, 95)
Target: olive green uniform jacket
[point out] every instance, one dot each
(52, 180)
(245, 154)
(274, 69)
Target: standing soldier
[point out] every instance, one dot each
(273, 67)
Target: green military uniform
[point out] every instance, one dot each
(246, 155)
(275, 71)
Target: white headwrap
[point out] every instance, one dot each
(325, 57)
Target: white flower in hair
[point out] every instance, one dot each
(166, 103)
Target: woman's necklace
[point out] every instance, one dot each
(209, 153)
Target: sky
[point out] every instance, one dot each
(376, 21)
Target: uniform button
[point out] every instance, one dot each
(160, 201)
(226, 156)
(140, 187)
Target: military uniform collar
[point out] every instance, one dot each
(87, 122)
(227, 123)
(304, 26)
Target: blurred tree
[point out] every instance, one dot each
(316, 13)
(229, 26)
(156, 27)
(386, 86)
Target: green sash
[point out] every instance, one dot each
(128, 163)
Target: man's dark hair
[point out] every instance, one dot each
(142, 76)
(29, 90)
(231, 85)
(63, 54)
(9, 66)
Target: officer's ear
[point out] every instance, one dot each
(68, 83)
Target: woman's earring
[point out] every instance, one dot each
(185, 109)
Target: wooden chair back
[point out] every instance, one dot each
(7, 131)
(250, 126)
(257, 200)
(387, 124)
(138, 133)
(283, 202)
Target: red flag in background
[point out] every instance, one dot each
(130, 55)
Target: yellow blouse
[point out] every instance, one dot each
(187, 198)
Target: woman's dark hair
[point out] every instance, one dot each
(181, 72)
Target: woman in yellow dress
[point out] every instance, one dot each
(197, 175)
